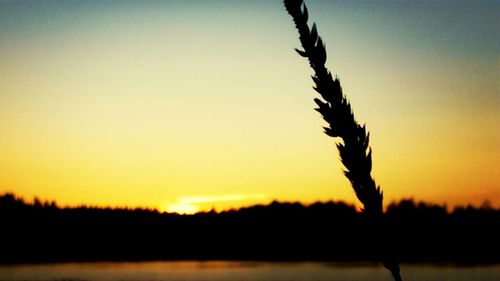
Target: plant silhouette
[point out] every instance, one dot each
(354, 149)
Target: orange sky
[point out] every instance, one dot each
(192, 105)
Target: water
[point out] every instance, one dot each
(243, 271)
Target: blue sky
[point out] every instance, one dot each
(153, 103)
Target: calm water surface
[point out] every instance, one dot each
(243, 271)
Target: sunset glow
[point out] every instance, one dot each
(190, 106)
(190, 205)
(183, 209)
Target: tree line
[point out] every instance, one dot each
(329, 231)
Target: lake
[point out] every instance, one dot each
(242, 271)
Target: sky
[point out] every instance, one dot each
(193, 105)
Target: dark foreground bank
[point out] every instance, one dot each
(333, 231)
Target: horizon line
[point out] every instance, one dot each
(487, 204)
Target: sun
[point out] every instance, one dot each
(182, 208)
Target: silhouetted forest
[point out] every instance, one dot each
(334, 231)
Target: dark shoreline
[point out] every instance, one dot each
(330, 232)
(256, 262)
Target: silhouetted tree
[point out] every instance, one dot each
(332, 231)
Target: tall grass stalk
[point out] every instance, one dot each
(355, 152)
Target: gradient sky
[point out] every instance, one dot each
(185, 105)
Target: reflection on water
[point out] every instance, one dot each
(244, 271)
